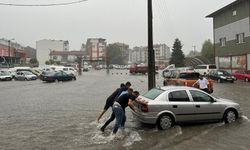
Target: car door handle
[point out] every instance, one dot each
(175, 106)
(197, 106)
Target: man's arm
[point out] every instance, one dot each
(130, 104)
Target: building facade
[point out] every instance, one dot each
(96, 50)
(11, 53)
(65, 57)
(231, 26)
(140, 54)
(44, 47)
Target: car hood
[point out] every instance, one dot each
(223, 100)
(7, 76)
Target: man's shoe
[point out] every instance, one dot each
(102, 129)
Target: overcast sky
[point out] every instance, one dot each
(115, 20)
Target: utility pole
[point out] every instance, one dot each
(151, 58)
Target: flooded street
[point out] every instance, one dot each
(62, 116)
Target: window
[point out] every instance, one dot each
(234, 13)
(189, 76)
(240, 38)
(223, 42)
(212, 66)
(153, 93)
(178, 96)
(200, 97)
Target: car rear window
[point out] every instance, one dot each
(189, 76)
(153, 93)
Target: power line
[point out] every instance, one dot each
(40, 5)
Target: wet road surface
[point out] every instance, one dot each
(61, 116)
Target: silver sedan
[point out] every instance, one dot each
(172, 104)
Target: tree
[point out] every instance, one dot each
(115, 55)
(208, 50)
(177, 56)
(34, 62)
(50, 62)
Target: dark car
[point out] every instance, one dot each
(57, 76)
(221, 76)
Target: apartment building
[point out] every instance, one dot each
(232, 36)
(96, 49)
(140, 54)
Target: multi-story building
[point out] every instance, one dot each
(12, 53)
(65, 57)
(140, 54)
(31, 52)
(44, 47)
(232, 36)
(96, 50)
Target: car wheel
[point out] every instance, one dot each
(230, 116)
(246, 79)
(25, 79)
(165, 122)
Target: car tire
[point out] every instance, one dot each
(230, 116)
(246, 80)
(165, 122)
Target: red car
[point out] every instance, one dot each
(242, 75)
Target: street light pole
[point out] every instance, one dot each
(10, 60)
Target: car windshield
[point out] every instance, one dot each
(153, 93)
(27, 73)
(223, 73)
(4, 73)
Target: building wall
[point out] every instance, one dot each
(228, 23)
(230, 30)
(227, 17)
(45, 46)
(96, 48)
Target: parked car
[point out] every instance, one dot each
(242, 75)
(185, 78)
(5, 76)
(57, 76)
(25, 75)
(205, 69)
(174, 104)
(221, 76)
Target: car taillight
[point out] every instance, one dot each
(144, 108)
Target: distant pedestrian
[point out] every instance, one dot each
(203, 83)
(110, 100)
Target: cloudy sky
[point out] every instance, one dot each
(115, 20)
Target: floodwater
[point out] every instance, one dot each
(62, 116)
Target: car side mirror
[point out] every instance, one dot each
(213, 100)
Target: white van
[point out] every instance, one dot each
(204, 69)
